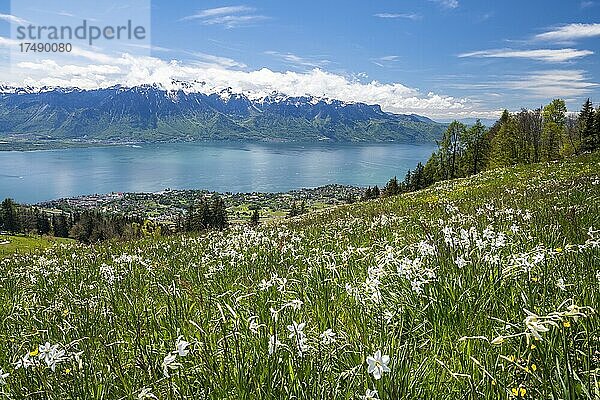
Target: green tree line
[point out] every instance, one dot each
(528, 136)
(93, 226)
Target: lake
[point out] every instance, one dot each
(34, 176)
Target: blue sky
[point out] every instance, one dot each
(441, 58)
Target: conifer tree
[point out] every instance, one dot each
(10, 219)
(586, 126)
(597, 129)
(255, 217)
(392, 188)
(376, 192)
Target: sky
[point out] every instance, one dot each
(440, 58)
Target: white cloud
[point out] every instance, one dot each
(213, 12)
(548, 55)
(385, 61)
(101, 70)
(212, 60)
(12, 19)
(6, 42)
(570, 32)
(297, 61)
(447, 3)
(412, 16)
(148, 47)
(542, 84)
(552, 83)
(57, 70)
(229, 17)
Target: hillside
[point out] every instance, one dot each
(474, 288)
(154, 114)
(25, 244)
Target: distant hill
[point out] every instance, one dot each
(489, 122)
(151, 113)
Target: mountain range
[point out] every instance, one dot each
(151, 113)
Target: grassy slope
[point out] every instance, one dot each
(124, 305)
(26, 244)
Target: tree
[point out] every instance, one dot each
(450, 148)
(586, 126)
(597, 129)
(392, 188)
(573, 143)
(218, 219)
(505, 149)
(150, 229)
(255, 217)
(376, 192)
(191, 221)
(10, 219)
(418, 179)
(531, 123)
(554, 115)
(473, 159)
(60, 226)
(433, 170)
(42, 223)
(293, 212)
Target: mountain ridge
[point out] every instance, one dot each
(152, 113)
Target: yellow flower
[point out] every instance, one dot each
(520, 391)
(68, 371)
(533, 367)
(535, 279)
(533, 346)
(567, 324)
(493, 382)
(512, 358)
(34, 352)
(559, 249)
(65, 313)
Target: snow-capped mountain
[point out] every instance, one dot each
(188, 111)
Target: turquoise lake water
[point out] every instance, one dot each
(35, 176)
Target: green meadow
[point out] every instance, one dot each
(10, 244)
(478, 288)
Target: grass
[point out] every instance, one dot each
(26, 244)
(476, 288)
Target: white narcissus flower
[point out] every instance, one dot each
(145, 393)
(378, 364)
(297, 333)
(534, 325)
(254, 326)
(169, 363)
(296, 329)
(273, 344)
(25, 362)
(461, 262)
(54, 357)
(3, 376)
(328, 336)
(370, 395)
(295, 304)
(44, 349)
(181, 347)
